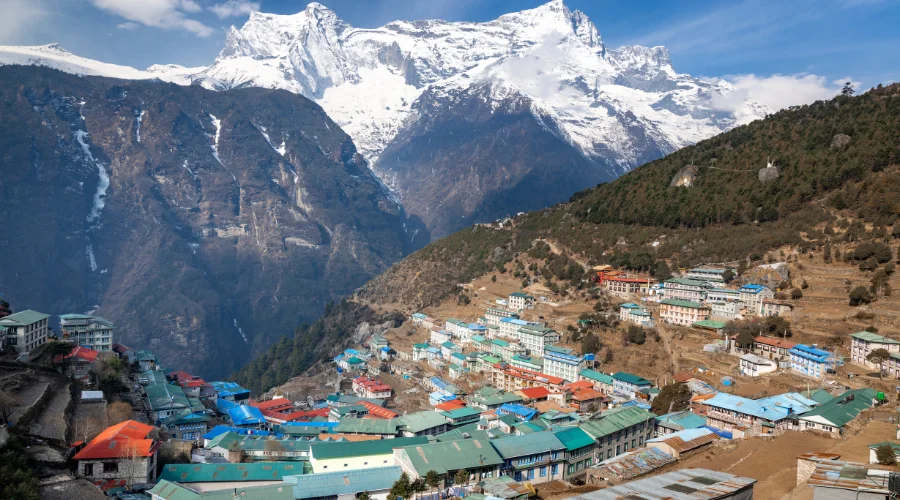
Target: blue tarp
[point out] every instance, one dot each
(720, 432)
(246, 415)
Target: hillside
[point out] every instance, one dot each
(201, 223)
(837, 168)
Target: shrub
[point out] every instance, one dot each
(796, 294)
(636, 335)
(885, 455)
(860, 296)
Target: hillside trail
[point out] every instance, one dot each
(666, 336)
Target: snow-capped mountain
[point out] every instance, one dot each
(392, 89)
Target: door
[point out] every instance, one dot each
(88, 469)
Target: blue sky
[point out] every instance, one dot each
(806, 44)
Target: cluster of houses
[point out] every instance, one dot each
(699, 298)
(27, 330)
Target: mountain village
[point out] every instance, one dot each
(501, 405)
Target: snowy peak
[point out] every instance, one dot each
(638, 58)
(554, 17)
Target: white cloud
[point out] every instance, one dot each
(165, 14)
(234, 8)
(19, 16)
(778, 91)
(127, 26)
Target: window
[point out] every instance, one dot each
(626, 446)
(609, 453)
(530, 473)
(543, 471)
(554, 469)
(110, 467)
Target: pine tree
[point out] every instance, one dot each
(848, 90)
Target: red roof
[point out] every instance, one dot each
(80, 353)
(581, 384)
(683, 377)
(377, 411)
(195, 383)
(525, 374)
(534, 392)
(305, 415)
(120, 441)
(775, 342)
(278, 405)
(371, 384)
(586, 394)
(628, 280)
(453, 404)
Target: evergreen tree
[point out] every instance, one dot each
(848, 90)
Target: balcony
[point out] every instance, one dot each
(727, 417)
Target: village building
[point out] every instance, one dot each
(124, 353)
(685, 441)
(121, 454)
(601, 381)
(230, 391)
(509, 327)
(623, 287)
(509, 378)
(24, 331)
(773, 307)
(629, 385)
(671, 423)
(564, 366)
(494, 315)
(719, 294)
(145, 359)
(831, 416)
(527, 362)
(462, 416)
(537, 458)
(835, 479)
(683, 484)
(77, 364)
(366, 387)
(810, 361)
(375, 482)
(682, 312)
(713, 275)
(685, 289)
(725, 310)
(753, 295)
(490, 398)
(456, 327)
(360, 455)
(630, 312)
(439, 336)
(423, 423)
(187, 425)
(507, 350)
(773, 348)
(519, 301)
(476, 456)
(580, 449)
(171, 490)
(449, 348)
(618, 430)
(536, 338)
(88, 331)
(863, 343)
(420, 319)
(766, 416)
(752, 365)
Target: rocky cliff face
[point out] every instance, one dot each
(204, 224)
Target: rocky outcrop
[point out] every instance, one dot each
(204, 224)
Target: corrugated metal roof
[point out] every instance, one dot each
(342, 449)
(332, 484)
(574, 438)
(614, 420)
(851, 476)
(685, 484)
(687, 439)
(421, 421)
(527, 444)
(844, 408)
(368, 426)
(443, 457)
(261, 471)
(172, 491)
(633, 464)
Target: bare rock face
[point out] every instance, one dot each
(840, 141)
(685, 177)
(205, 224)
(768, 174)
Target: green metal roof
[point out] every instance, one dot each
(499, 399)
(687, 282)
(631, 379)
(227, 440)
(895, 446)
(421, 421)
(597, 376)
(708, 323)
(501, 343)
(491, 359)
(449, 345)
(612, 421)
(838, 411)
(172, 491)
(166, 396)
(145, 355)
(683, 303)
(874, 337)
(529, 428)
(346, 449)
(527, 444)
(23, 318)
(454, 321)
(184, 417)
(520, 294)
(368, 426)
(820, 396)
(574, 438)
(448, 456)
(202, 473)
(466, 411)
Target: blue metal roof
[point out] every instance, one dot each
(524, 412)
(477, 326)
(753, 288)
(811, 353)
(686, 435)
(516, 321)
(246, 415)
(773, 408)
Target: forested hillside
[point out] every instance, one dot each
(833, 158)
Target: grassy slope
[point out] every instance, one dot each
(638, 219)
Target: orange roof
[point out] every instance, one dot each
(453, 404)
(628, 280)
(348, 437)
(525, 374)
(304, 415)
(274, 404)
(534, 392)
(586, 394)
(120, 441)
(378, 411)
(775, 342)
(581, 384)
(82, 353)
